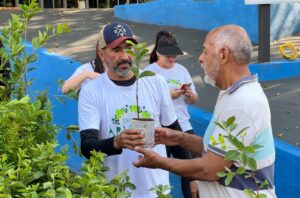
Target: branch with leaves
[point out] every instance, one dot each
(138, 52)
(238, 152)
(14, 38)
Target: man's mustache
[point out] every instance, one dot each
(124, 62)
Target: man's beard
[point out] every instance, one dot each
(117, 70)
(211, 80)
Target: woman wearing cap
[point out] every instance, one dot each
(84, 74)
(163, 61)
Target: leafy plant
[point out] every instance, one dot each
(138, 52)
(41, 172)
(23, 122)
(160, 191)
(15, 49)
(237, 151)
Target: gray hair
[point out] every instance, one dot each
(237, 41)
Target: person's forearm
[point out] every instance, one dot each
(74, 83)
(90, 141)
(191, 143)
(194, 98)
(193, 169)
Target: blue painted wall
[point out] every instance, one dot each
(51, 67)
(276, 70)
(208, 14)
(202, 15)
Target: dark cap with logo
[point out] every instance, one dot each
(111, 35)
(168, 47)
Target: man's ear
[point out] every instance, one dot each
(224, 54)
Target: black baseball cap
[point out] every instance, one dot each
(168, 47)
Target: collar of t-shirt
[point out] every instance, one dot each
(242, 81)
(124, 83)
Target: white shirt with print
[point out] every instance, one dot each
(248, 103)
(175, 77)
(105, 106)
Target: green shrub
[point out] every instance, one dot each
(41, 172)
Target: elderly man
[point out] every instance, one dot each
(103, 128)
(225, 57)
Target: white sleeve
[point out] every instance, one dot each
(88, 113)
(82, 68)
(167, 111)
(77, 72)
(243, 120)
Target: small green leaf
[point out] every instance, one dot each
(74, 128)
(250, 149)
(228, 179)
(256, 146)
(244, 159)
(240, 170)
(249, 193)
(220, 125)
(135, 71)
(213, 140)
(251, 163)
(221, 139)
(230, 121)
(130, 42)
(232, 126)
(68, 193)
(241, 131)
(262, 195)
(146, 73)
(221, 174)
(68, 135)
(232, 155)
(264, 185)
(235, 142)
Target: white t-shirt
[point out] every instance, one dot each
(175, 77)
(85, 67)
(105, 106)
(247, 102)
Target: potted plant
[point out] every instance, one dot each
(146, 125)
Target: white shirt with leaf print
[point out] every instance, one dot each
(175, 78)
(109, 108)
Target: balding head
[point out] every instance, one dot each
(236, 39)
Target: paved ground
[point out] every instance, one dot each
(80, 44)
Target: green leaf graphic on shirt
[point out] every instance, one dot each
(145, 114)
(119, 113)
(174, 82)
(117, 125)
(133, 108)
